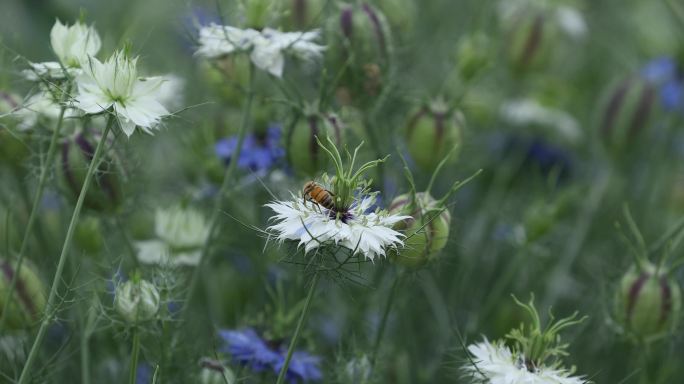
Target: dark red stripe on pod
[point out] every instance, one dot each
(20, 289)
(439, 127)
(666, 302)
(414, 120)
(377, 27)
(334, 121)
(533, 40)
(300, 9)
(103, 179)
(12, 103)
(346, 22)
(313, 144)
(397, 203)
(640, 117)
(614, 106)
(634, 294)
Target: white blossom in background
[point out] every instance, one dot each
(530, 112)
(494, 363)
(171, 93)
(367, 233)
(40, 105)
(180, 235)
(267, 49)
(72, 45)
(571, 22)
(114, 84)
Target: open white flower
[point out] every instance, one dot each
(115, 85)
(181, 234)
(531, 112)
(267, 48)
(494, 363)
(72, 45)
(369, 234)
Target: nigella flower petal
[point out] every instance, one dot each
(303, 367)
(246, 347)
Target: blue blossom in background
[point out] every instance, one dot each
(666, 75)
(248, 348)
(260, 152)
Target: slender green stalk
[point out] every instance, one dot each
(300, 323)
(383, 321)
(220, 195)
(135, 351)
(42, 181)
(51, 306)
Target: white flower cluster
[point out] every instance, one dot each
(266, 48)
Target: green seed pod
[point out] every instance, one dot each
(88, 236)
(625, 112)
(214, 372)
(106, 192)
(427, 231)
(361, 46)
(401, 14)
(648, 303)
(301, 15)
(432, 133)
(28, 297)
(137, 301)
(303, 151)
(473, 54)
(531, 35)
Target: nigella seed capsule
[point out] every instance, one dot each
(304, 154)
(531, 36)
(625, 112)
(106, 192)
(432, 133)
(28, 297)
(648, 303)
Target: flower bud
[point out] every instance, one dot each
(213, 372)
(648, 303)
(531, 35)
(303, 151)
(361, 46)
(432, 133)
(137, 301)
(88, 236)
(28, 297)
(106, 191)
(301, 15)
(427, 230)
(473, 54)
(625, 112)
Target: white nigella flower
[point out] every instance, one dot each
(42, 104)
(72, 45)
(267, 48)
(531, 112)
(369, 234)
(115, 85)
(181, 234)
(494, 363)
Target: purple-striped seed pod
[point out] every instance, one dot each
(531, 35)
(361, 46)
(432, 133)
(303, 152)
(625, 111)
(427, 230)
(648, 303)
(106, 191)
(28, 297)
(300, 15)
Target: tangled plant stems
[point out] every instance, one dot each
(45, 170)
(52, 307)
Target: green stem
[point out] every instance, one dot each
(383, 321)
(42, 181)
(220, 195)
(51, 305)
(135, 351)
(300, 323)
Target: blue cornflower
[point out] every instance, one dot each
(247, 348)
(260, 152)
(665, 73)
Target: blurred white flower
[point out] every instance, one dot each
(267, 48)
(115, 84)
(369, 234)
(571, 21)
(181, 234)
(171, 92)
(494, 363)
(40, 105)
(72, 46)
(531, 112)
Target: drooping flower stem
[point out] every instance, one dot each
(42, 181)
(135, 351)
(220, 195)
(51, 306)
(300, 323)
(383, 321)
